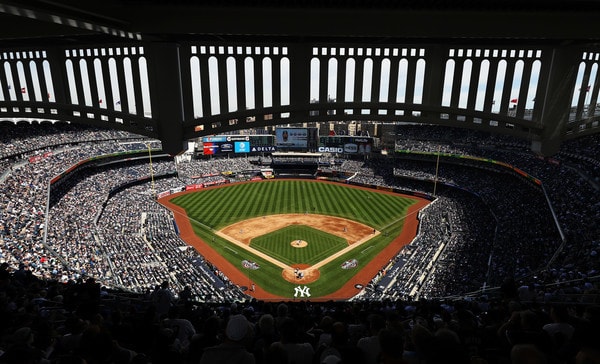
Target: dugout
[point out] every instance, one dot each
(295, 164)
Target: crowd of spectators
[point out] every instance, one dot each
(91, 235)
(449, 253)
(528, 242)
(24, 191)
(508, 231)
(525, 240)
(68, 260)
(45, 321)
(203, 168)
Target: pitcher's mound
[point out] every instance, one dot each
(299, 243)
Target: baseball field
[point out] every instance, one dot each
(296, 239)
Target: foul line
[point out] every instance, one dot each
(234, 251)
(253, 251)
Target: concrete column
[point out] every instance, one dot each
(558, 90)
(223, 89)
(299, 55)
(164, 78)
(341, 83)
(58, 71)
(433, 83)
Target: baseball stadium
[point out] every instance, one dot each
(177, 190)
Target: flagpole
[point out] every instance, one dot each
(437, 165)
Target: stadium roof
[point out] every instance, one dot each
(30, 22)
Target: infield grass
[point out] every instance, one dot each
(214, 208)
(279, 245)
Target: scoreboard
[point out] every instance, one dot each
(346, 144)
(224, 144)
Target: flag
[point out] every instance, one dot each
(23, 90)
(514, 101)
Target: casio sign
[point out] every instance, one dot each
(331, 150)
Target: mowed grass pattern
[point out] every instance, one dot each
(278, 244)
(214, 208)
(220, 207)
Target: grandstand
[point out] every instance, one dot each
(486, 224)
(503, 268)
(501, 197)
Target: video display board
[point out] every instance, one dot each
(222, 144)
(225, 144)
(345, 144)
(296, 138)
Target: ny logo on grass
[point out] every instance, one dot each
(302, 291)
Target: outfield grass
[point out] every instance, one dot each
(215, 208)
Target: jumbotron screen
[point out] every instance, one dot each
(291, 137)
(296, 138)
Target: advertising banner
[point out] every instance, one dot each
(226, 144)
(345, 144)
(194, 187)
(242, 147)
(210, 148)
(226, 147)
(264, 148)
(163, 194)
(350, 148)
(214, 139)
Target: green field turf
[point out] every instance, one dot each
(278, 245)
(215, 208)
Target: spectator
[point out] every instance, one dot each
(370, 345)
(164, 299)
(233, 348)
(299, 351)
(182, 327)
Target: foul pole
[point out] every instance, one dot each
(152, 170)
(437, 166)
